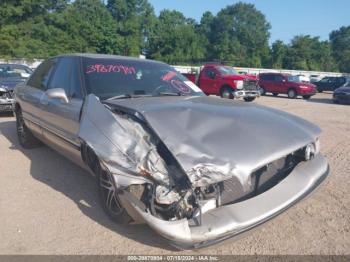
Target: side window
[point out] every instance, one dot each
(60, 78)
(66, 76)
(41, 76)
(208, 72)
(278, 78)
(75, 84)
(268, 77)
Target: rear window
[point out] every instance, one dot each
(108, 78)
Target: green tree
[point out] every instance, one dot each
(24, 27)
(240, 33)
(340, 44)
(89, 27)
(174, 39)
(278, 54)
(135, 20)
(309, 53)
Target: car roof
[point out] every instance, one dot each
(105, 56)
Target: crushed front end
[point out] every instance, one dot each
(197, 194)
(6, 99)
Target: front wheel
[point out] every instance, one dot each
(109, 197)
(226, 92)
(262, 91)
(249, 99)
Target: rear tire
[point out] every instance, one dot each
(249, 99)
(26, 138)
(292, 93)
(226, 92)
(275, 94)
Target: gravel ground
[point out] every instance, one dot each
(49, 206)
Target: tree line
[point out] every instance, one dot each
(237, 34)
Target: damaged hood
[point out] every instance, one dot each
(214, 139)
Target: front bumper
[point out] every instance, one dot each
(307, 92)
(246, 93)
(6, 107)
(341, 98)
(230, 221)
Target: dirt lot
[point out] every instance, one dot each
(49, 206)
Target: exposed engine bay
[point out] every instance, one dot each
(170, 203)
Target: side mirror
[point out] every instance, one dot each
(57, 93)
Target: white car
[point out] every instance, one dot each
(303, 78)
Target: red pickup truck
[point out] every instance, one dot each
(224, 81)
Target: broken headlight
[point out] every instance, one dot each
(312, 150)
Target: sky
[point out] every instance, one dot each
(288, 18)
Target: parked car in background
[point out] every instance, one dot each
(342, 94)
(315, 78)
(10, 76)
(224, 81)
(277, 83)
(330, 83)
(196, 169)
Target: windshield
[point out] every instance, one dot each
(227, 70)
(293, 79)
(109, 78)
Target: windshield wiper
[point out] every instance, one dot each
(119, 97)
(169, 94)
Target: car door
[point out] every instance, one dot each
(30, 94)
(268, 83)
(277, 86)
(61, 119)
(339, 81)
(208, 82)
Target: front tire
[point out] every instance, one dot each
(108, 195)
(262, 91)
(249, 99)
(292, 93)
(26, 138)
(226, 92)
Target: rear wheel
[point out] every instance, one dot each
(275, 94)
(291, 93)
(306, 97)
(226, 92)
(25, 137)
(249, 99)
